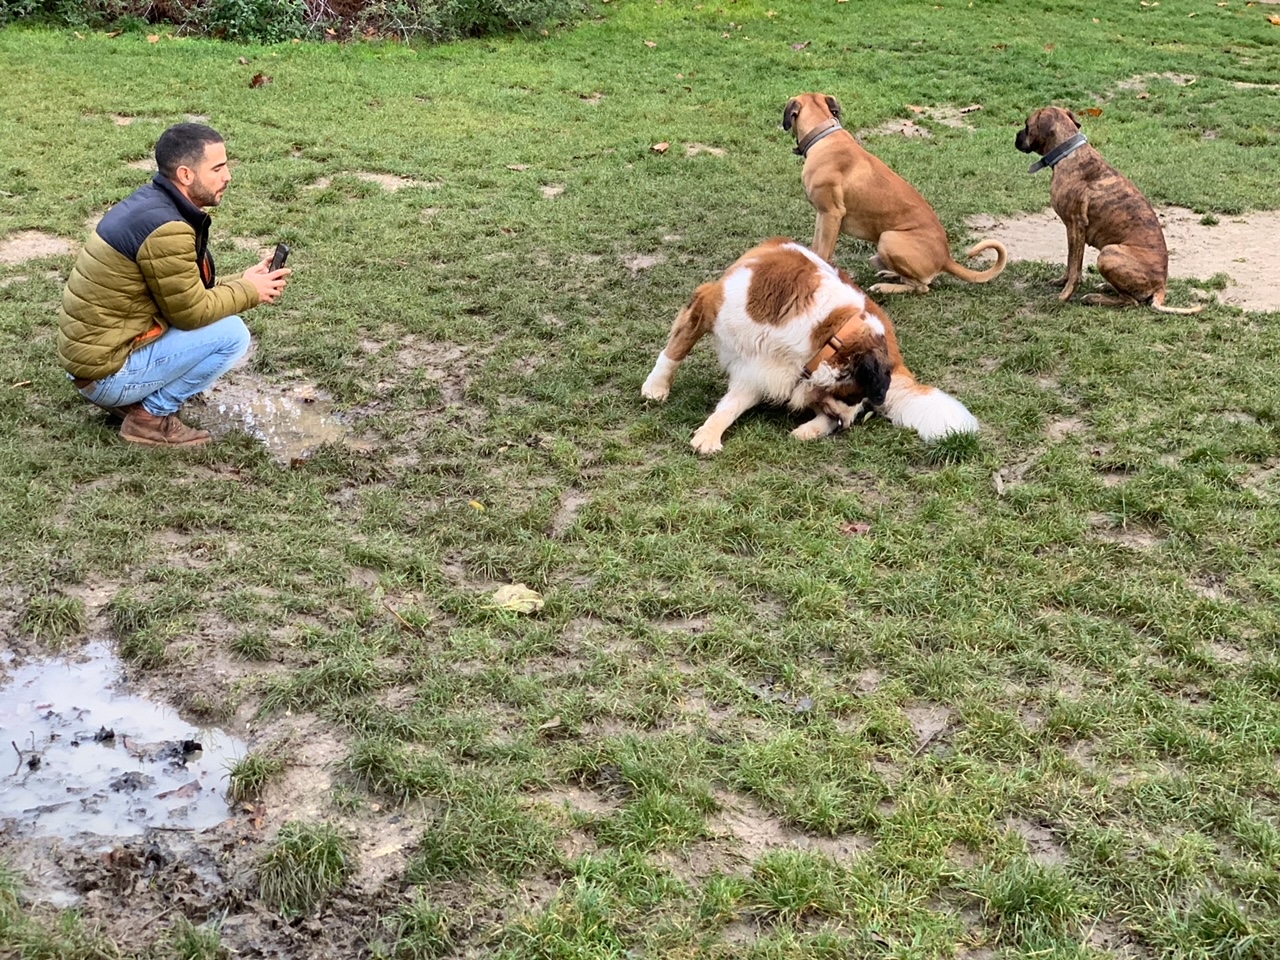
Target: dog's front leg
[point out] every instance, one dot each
(820, 426)
(734, 404)
(1075, 258)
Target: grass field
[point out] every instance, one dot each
(846, 699)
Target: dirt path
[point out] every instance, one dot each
(1240, 247)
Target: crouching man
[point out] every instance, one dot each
(145, 323)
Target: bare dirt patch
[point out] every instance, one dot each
(1133, 537)
(391, 183)
(552, 190)
(1044, 849)
(928, 721)
(1140, 82)
(903, 128)
(31, 245)
(144, 163)
(756, 832)
(571, 501)
(1065, 427)
(635, 262)
(1235, 246)
(693, 149)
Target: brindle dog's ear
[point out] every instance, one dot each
(834, 106)
(1074, 119)
(789, 114)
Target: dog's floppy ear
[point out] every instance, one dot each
(789, 114)
(1074, 119)
(834, 106)
(873, 374)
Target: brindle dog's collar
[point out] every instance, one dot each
(1059, 153)
(802, 148)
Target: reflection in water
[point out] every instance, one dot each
(291, 421)
(98, 760)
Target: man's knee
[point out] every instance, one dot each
(237, 336)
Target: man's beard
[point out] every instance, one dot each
(202, 196)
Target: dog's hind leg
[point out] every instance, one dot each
(896, 261)
(739, 399)
(691, 323)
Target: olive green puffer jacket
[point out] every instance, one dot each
(146, 268)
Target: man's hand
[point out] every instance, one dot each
(270, 283)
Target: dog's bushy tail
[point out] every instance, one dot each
(980, 276)
(927, 410)
(1157, 304)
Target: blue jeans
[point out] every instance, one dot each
(173, 368)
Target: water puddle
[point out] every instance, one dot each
(291, 421)
(91, 758)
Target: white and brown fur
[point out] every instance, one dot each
(855, 192)
(774, 309)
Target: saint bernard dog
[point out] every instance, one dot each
(791, 328)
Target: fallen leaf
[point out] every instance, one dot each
(724, 36)
(914, 109)
(855, 528)
(21, 383)
(1192, 14)
(1274, 20)
(971, 108)
(243, 61)
(184, 792)
(801, 46)
(1049, 47)
(1144, 96)
(259, 80)
(662, 147)
(1096, 20)
(330, 32)
(153, 38)
(517, 598)
(518, 167)
(650, 44)
(114, 33)
(1001, 46)
(1093, 111)
(476, 505)
(552, 724)
(79, 35)
(998, 482)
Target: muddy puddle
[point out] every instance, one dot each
(87, 757)
(291, 421)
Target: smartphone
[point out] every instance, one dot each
(280, 256)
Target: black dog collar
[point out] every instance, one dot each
(802, 148)
(1059, 153)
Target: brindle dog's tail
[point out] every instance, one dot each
(1157, 303)
(975, 276)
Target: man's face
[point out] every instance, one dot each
(206, 182)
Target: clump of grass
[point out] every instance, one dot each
(791, 884)
(53, 618)
(578, 924)
(655, 819)
(954, 448)
(418, 931)
(1031, 902)
(186, 941)
(399, 772)
(307, 862)
(249, 775)
(251, 645)
(483, 829)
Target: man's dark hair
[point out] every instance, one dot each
(182, 145)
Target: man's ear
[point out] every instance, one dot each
(1074, 119)
(789, 113)
(834, 106)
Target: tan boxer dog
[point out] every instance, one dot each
(856, 193)
(1101, 208)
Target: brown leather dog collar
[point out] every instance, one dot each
(802, 148)
(832, 347)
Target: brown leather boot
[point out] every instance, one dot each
(152, 431)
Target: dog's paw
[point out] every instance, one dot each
(1065, 295)
(655, 390)
(858, 413)
(814, 429)
(706, 442)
